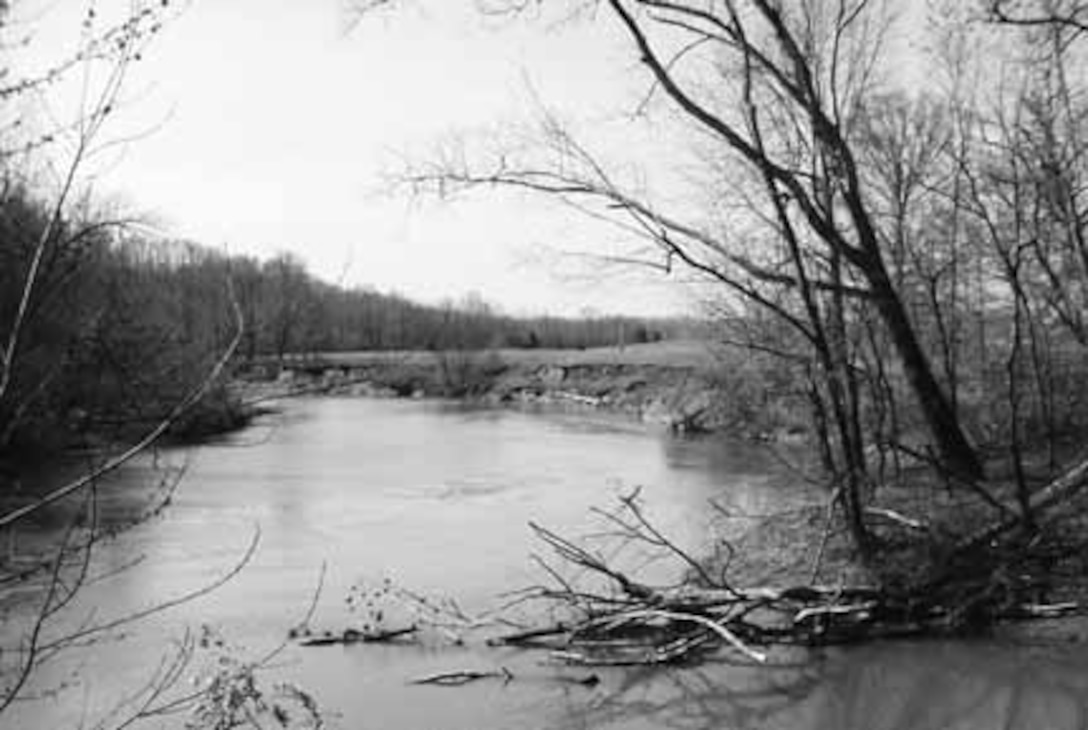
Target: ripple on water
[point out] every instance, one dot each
(438, 498)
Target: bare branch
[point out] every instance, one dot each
(179, 409)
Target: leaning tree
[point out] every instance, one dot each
(776, 95)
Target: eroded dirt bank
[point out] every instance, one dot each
(680, 386)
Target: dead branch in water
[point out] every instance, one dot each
(608, 617)
(635, 623)
(354, 636)
(456, 679)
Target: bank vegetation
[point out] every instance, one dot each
(908, 263)
(900, 236)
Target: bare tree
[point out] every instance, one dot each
(43, 626)
(1070, 15)
(778, 96)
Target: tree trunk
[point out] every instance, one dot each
(955, 450)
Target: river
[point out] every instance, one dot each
(436, 497)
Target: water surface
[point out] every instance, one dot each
(437, 497)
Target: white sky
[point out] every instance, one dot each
(273, 130)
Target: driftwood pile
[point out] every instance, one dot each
(639, 624)
(620, 621)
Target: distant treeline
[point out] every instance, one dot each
(100, 336)
(288, 310)
(285, 309)
(117, 327)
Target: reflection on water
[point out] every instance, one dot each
(955, 686)
(919, 686)
(437, 497)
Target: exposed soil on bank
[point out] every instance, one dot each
(916, 517)
(682, 386)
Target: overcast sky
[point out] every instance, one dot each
(273, 127)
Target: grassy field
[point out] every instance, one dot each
(695, 354)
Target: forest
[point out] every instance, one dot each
(121, 326)
(911, 261)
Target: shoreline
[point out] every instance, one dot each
(681, 393)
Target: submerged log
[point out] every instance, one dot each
(354, 636)
(458, 678)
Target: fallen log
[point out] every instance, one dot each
(609, 618)
(354, 636)
(1061, 489)
(458, 678)
(530, 637)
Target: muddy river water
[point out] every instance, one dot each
(437, 498)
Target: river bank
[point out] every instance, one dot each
(341, 481)
(681, 386)
(917, 521)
